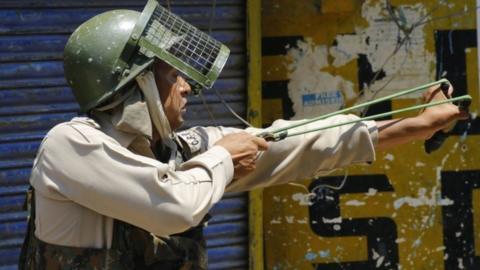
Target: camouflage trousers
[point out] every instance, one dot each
(132, 248)
(176, 252)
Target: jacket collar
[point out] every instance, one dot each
(102, 122)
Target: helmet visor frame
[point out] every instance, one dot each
(164, 35)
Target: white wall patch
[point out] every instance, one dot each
(399, 54)
(412, 64)
(313, 91)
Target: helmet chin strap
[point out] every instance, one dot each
(148, 86)
(146, 82)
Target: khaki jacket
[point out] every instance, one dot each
(86, 174)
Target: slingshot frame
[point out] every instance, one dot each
(282, 133)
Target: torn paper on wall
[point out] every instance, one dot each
(398, 55)
(313, 91)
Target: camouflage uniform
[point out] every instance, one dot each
(132, 247)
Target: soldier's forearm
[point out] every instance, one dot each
(396, 132)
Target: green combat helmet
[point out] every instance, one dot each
(109, 50)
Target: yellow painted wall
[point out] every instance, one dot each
(410, 200)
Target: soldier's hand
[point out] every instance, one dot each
(439, 117)
(243, 148)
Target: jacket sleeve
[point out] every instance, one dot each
(301, 157)
(93, 170)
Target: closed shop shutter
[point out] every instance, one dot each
(34, 97)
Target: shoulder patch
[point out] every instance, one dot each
(193, 140)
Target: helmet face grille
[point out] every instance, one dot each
(182, 45)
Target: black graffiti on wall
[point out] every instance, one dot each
(381, 232)
(450, 48)
(458, 219)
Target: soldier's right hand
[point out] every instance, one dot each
(243, 148)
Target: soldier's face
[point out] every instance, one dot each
(173, 90)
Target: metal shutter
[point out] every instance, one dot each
(34, 97)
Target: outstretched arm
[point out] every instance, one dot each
(395, 132)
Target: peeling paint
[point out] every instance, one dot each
(313, 91)
(371, 192)
(303, 199)
(355, 203)
(275, 221)
(332, 220)
(324, 253)
(400, 240)
(408, 67)
(389, 157)
(290, 219)
(338, 46)
(422, 200)
(416, 243)
(310, 256)
(419, 164)
(302, 221)
(379, 259)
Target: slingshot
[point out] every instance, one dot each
(282, 133)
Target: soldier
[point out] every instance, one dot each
(120, 189)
